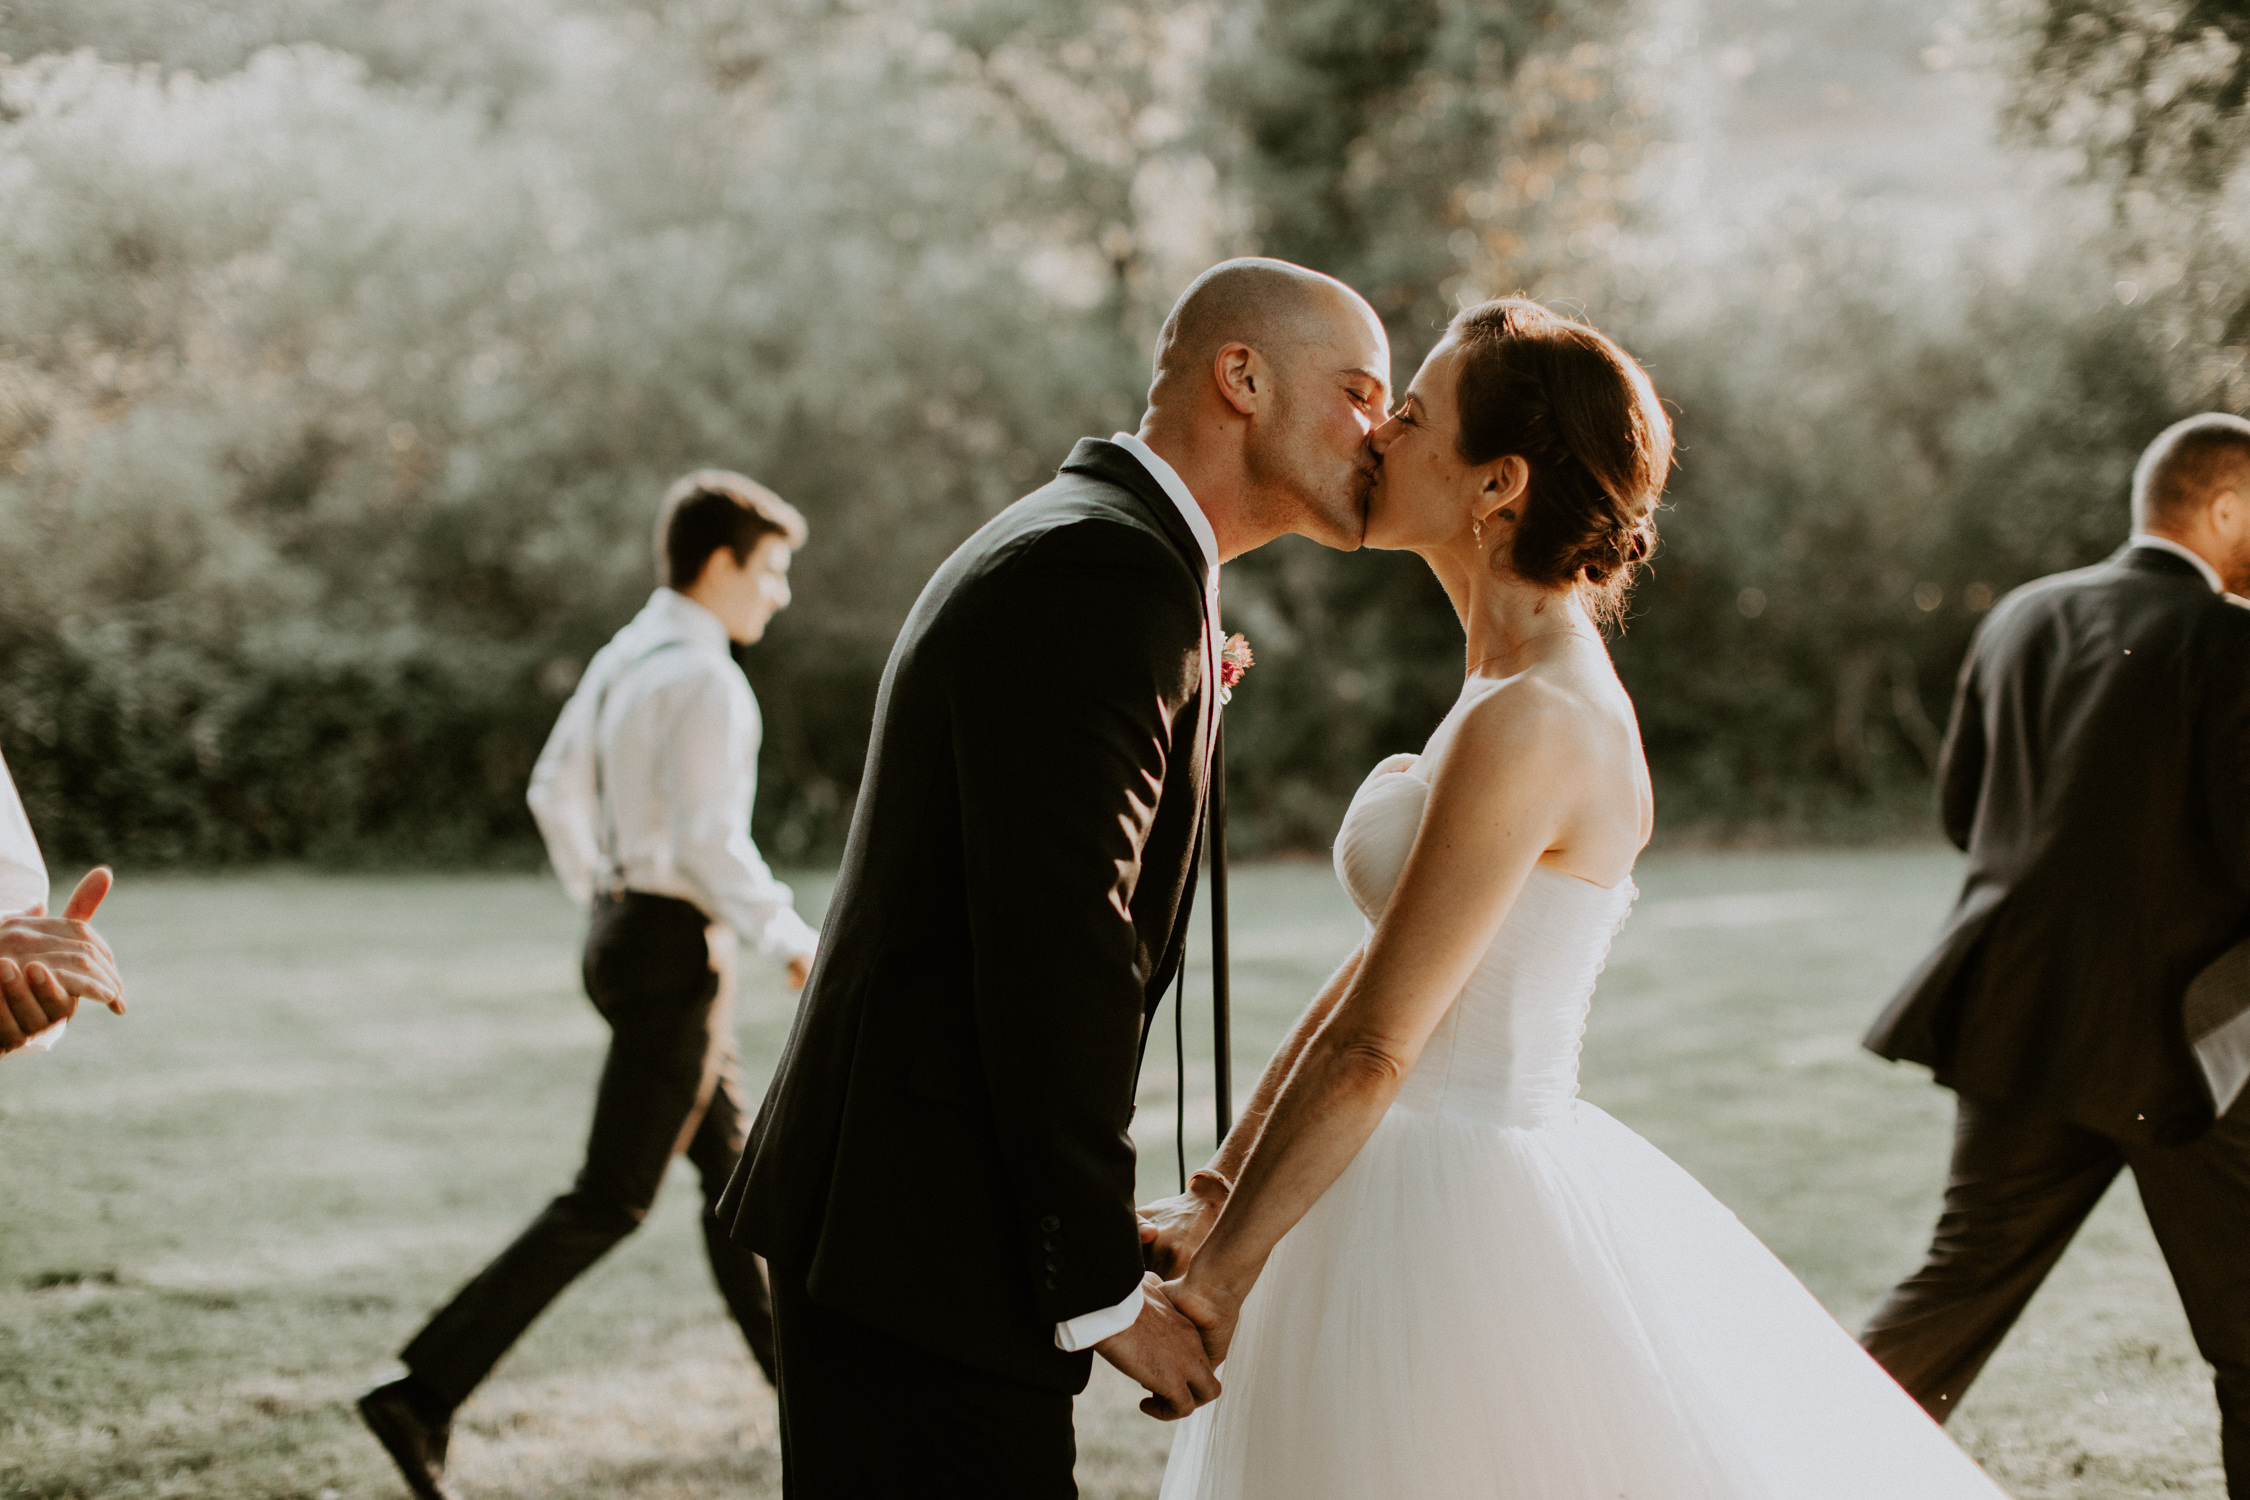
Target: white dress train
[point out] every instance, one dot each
(1510, 1296)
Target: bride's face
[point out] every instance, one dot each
(1423, 492)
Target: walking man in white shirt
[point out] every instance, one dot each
(643, 796)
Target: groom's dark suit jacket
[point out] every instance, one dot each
(2097, 771)
(943, 1152)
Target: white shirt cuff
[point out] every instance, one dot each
(789, 936)
(1089, 1329)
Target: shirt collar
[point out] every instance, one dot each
(675, 616)
(1175, 489)
(2166, 544)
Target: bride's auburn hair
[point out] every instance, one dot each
(1583, 416)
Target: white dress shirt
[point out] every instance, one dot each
(646, 782)
(23, 874)
(1089, 1329)
(2166, 544)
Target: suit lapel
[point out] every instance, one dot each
(1106, 461)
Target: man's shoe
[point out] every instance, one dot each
(415, 1443)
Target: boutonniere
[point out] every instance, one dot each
(1234, 662)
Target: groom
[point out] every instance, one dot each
(941, 1178)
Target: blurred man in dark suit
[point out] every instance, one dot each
(2097, 771)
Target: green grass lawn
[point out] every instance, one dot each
(335, 1097)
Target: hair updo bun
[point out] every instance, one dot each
(1583, 416)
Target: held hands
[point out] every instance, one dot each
(1163, 1352)
(49, 964)
(1173, 1229)
(1213, 1313)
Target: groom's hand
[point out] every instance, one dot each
(1212, 1317)
(1173, 1229)
(1164, 1353)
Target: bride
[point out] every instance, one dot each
(1432, 1270)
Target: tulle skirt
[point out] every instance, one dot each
(1545, 1314)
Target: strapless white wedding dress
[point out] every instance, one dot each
(1509, 1294)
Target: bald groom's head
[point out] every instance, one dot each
(1270, 305)
(1292, 369)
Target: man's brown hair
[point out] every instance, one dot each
(2190, 462)
(714, 508)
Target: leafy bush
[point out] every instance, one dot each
(335, 412)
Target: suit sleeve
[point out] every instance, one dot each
(1073, 665)
(1961, 761)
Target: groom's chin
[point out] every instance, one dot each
(1343, 529)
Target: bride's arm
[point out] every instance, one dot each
(1501, 798)
(1173, 1228)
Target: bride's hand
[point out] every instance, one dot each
(1173, 1229)
(1214, 1314)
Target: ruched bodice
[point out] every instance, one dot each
(1507, 1051)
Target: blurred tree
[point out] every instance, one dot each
(2153, 99)
(2151, 91)
(316, 386)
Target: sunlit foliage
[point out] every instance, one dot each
(345, 349)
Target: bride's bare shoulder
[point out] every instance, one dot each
(1531, 719)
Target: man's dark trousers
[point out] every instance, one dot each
(2020, 1185)
(867, 1416)
(672, 1082)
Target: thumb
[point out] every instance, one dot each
(88, 897)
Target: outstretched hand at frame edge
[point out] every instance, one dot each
(48, 965)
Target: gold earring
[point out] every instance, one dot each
(1476, 529)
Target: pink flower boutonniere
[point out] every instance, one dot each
(1234, 661)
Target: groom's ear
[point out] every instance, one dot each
(1243, 378)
